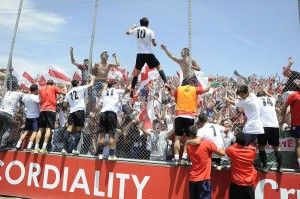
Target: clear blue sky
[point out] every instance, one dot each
(248, 36)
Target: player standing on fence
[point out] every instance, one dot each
(84, 68)
(184, 64)
(76, 100)
(243, 174)
(290, 85)
(250, 105)
(200, 155)
(294, 102)
(144, 38)
(48, 114)
(186, 111)
(7, 113)
(271, 127)
(32, 104)
(108, 117)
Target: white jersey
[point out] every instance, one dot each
(111, 99)
(75, 97)
(144, 38)
(10, 102)
(268, 112)
(32, 104)
(251, 108)
(212, 132)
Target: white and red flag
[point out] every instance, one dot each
(146, 76)
(77, 76)
(56, 74)
(25, 81)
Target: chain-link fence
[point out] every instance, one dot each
(235, 42)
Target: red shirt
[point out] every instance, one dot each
(242, 159)
(200, 156)
(48, 97)
(294, 101)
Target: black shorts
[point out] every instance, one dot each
(271, 136)
(238, 191)
(200, 189)
(250, 138)
(77, 118)
(182, 124)
(295, 131)
(47, 119)
(149, 59)
(108, 122)
(32, 124)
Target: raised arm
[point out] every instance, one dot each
(169, 54)
(287, 68)
(210, 79)
(130, 29)
(232, 102)
(117, 63)
(72, 57)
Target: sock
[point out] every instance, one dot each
(77, 138)
(263, 157)
(111, 152)
(184, 156)
(66, 139)
(36, 147)
(19, 144)
(44, 145)
(29, 145)
(134, 81)
(176, 156)
(298, 161)
(163, 76)
(278, 156)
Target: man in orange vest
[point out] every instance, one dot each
(186, 111)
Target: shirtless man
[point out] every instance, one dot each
(101, 71)
(183, 63)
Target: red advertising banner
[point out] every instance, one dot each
(51, 176)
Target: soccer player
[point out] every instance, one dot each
(212, 132)
(294, 102)
(145, 37)
(32, 104)
(200, 155)
(108, 117)
(271, 127)
(243, 173)
(48, 114)
(76, 99)
(250, 104)
(186, 111)
(7, 113)
(291, 85)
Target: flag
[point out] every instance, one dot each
(146, 76)
(118, 74)
(239, 78)
(149, 111)
(41, 81)
(203, 81)
(77, 76)
(25, 81)
(56, 74)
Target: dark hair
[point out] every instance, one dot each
(260, 94)
(103, 53)
(144, 21)
(193, 81)
(223, 121)
(240, 138)
(110, 84)
(193, 131)
(75, 82)
(188, 50)
(33, 88)
(85, 60)
(242, 89)
(202, 118)
(50, 82)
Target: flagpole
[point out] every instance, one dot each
(9, 63)
(190, 37)
(92, 37)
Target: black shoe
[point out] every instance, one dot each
(17, 149)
